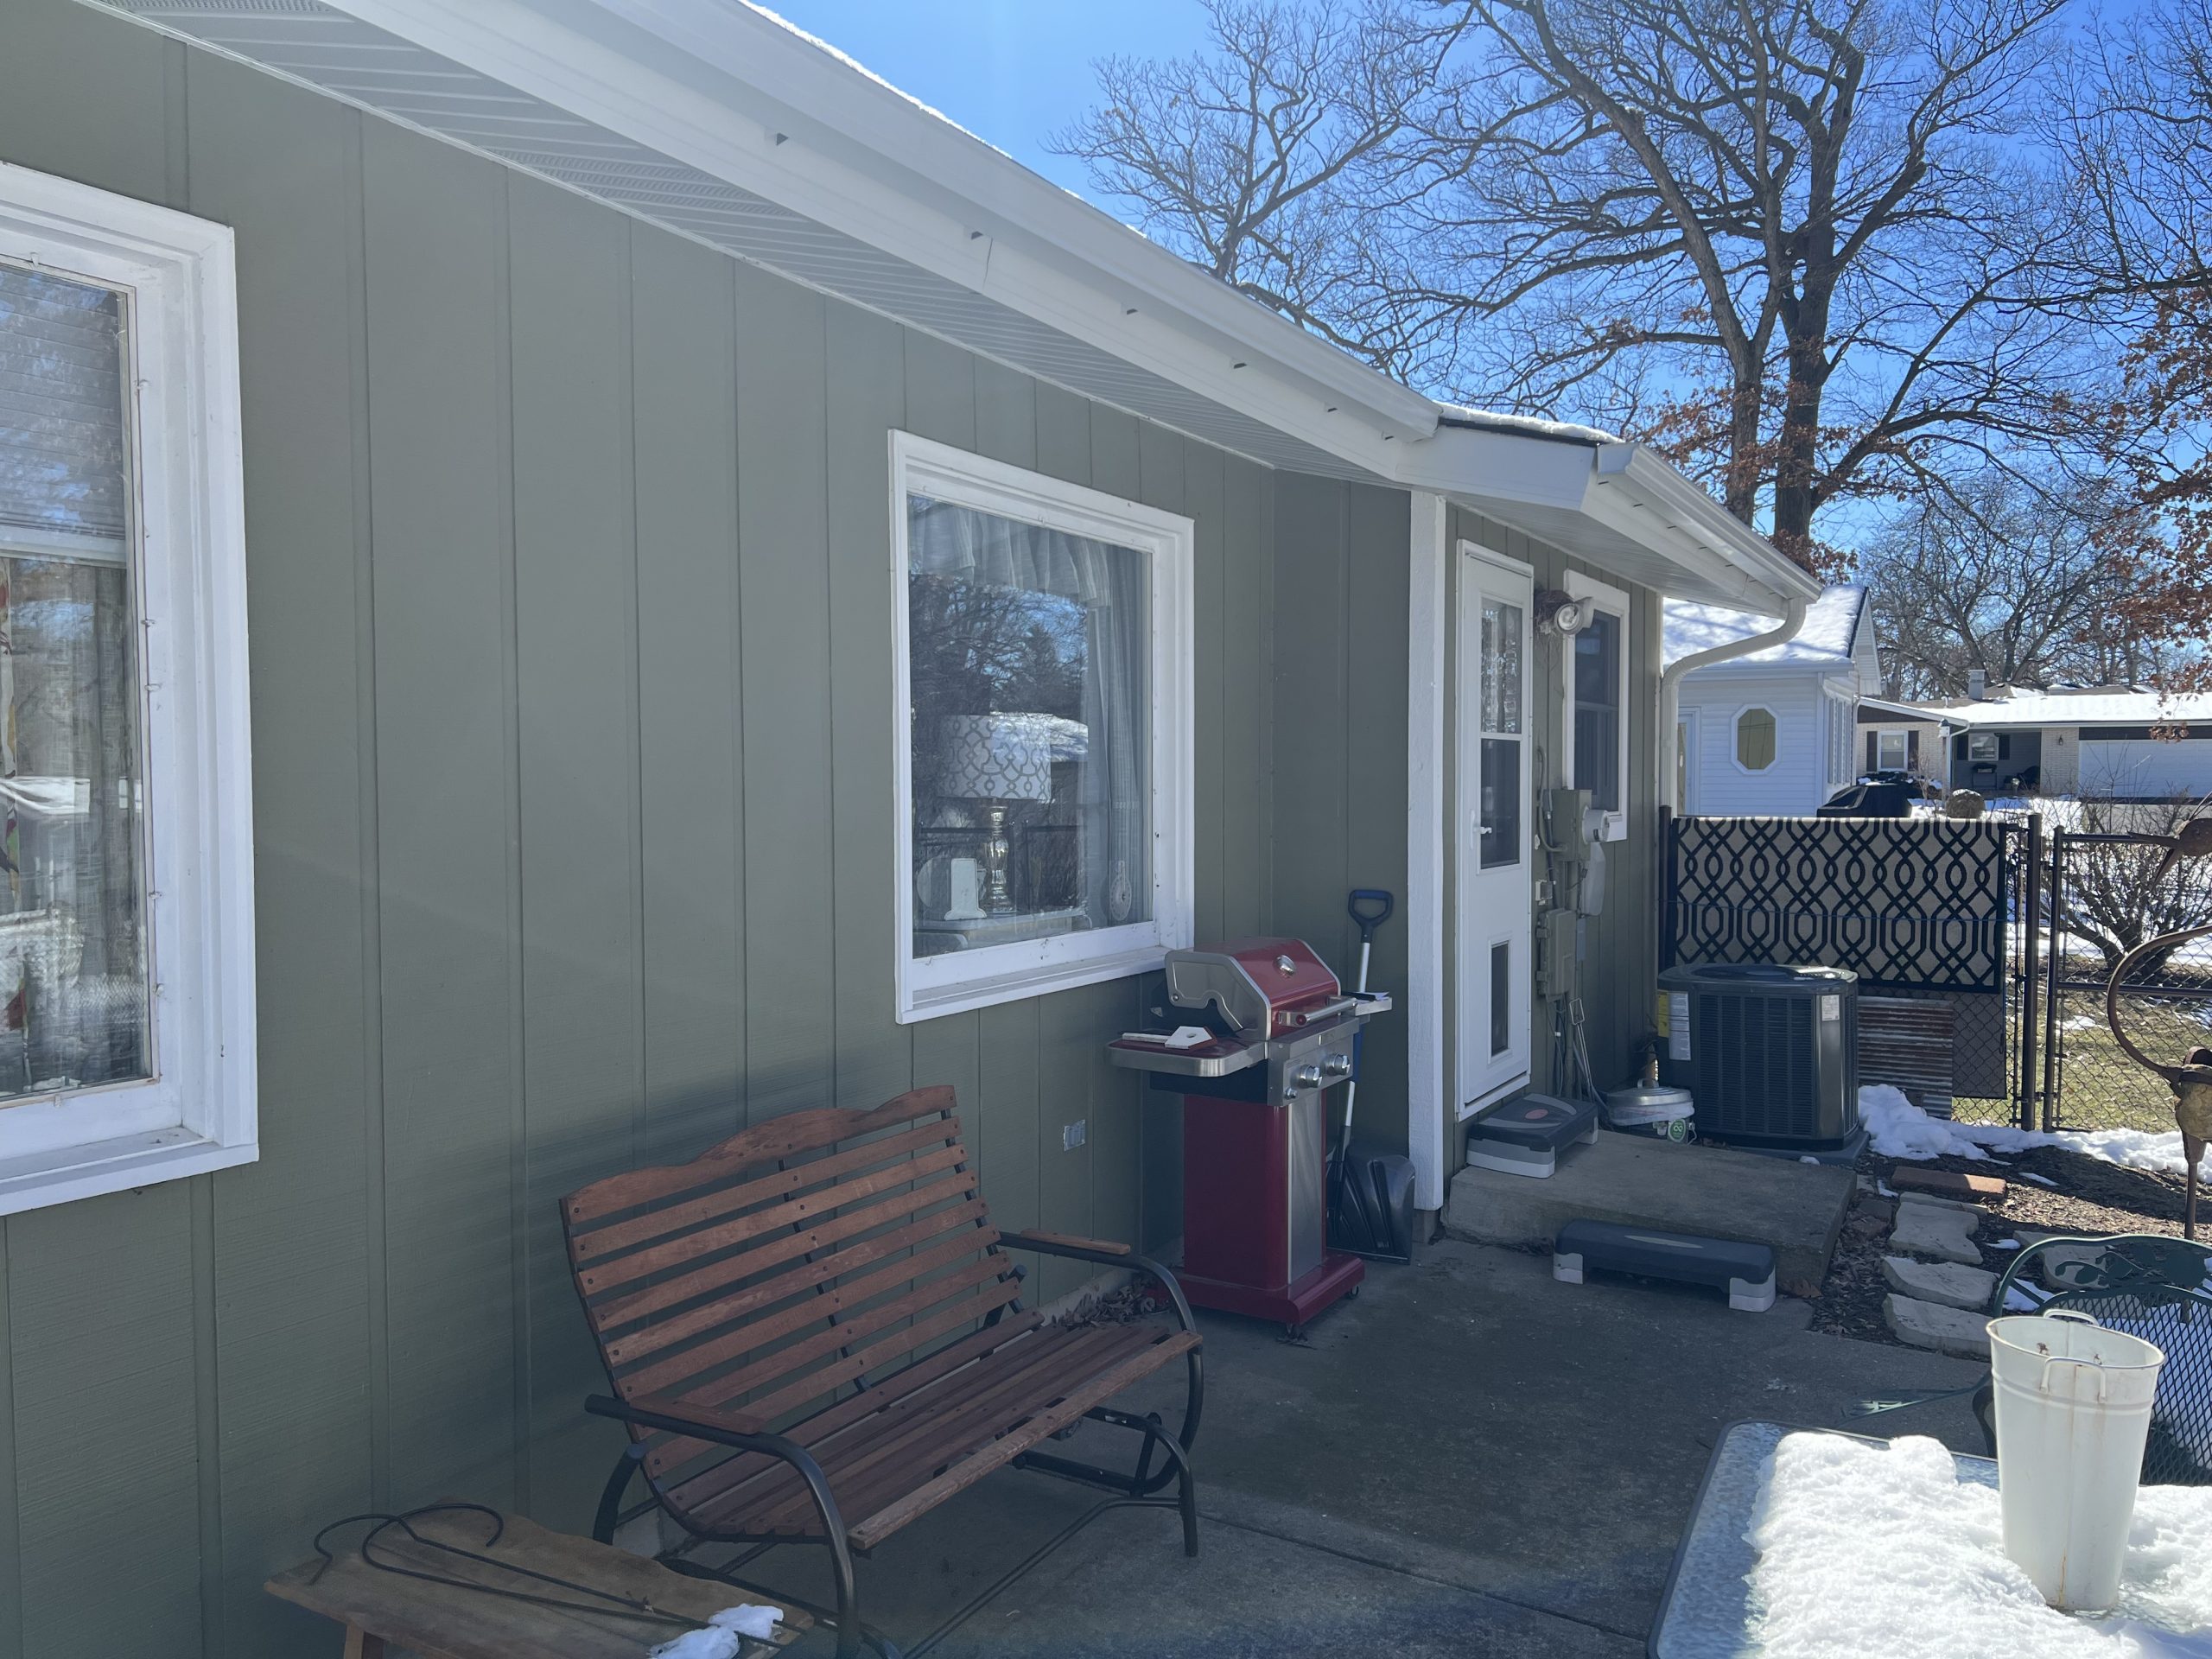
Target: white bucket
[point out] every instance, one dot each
(2072, 1411)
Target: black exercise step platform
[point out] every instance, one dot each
(1745, 1271)
(1529, 1136)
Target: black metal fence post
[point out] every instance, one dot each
(2030, 907)
(2054, 975)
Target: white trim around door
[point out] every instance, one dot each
(1493, 843)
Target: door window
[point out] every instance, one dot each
(1502, 735)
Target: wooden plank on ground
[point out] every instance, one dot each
(1950, 1183)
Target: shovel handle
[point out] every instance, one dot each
(1371, 907)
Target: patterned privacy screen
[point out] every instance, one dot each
(1902, 902)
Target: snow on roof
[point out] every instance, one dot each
(2097, 706)
(1491, 420)
(1825, 641)
(860, 69)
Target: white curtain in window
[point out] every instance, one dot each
(950, 541)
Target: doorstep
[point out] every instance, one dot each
(1706, 1190)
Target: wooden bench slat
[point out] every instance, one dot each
(870, 1468)
(612, 1312)
(651, 1338)
(829, 1377)
(914, 1504)
(930, 1412)
(781, 1137)
(620, 1235)
(823, 1302)
(701, 1489)
(827, 1201)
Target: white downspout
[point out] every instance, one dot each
(1670, 690)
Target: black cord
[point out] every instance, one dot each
(620, 1607)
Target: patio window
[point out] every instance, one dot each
(1045, 732)
(1597, 691)
(1841, 730)
(126, 1002)
(1891, 753)
(1755, 739)
(1984, 747)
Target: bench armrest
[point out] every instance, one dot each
(1105, 1254)
(736, 1429)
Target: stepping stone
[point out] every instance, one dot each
(1947, 1282)
(1929, 1324)
(1947, 1182)
(1930, 1201)
(1923, 1230)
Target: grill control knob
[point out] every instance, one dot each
(1306, 1077)
(1335, 1067)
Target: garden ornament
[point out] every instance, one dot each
(2192, 1080)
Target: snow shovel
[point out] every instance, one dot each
(1370, 1195)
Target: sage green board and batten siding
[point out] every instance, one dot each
(1618, 943)
(570, 602)
(1342, 590)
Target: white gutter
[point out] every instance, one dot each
(1703, 532)
(1670, 689)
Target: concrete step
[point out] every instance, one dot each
(1947, 1282)
(1930, 1324)
(1709, 1192)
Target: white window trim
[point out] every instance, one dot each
(960, 980)
(1735, 742)
(1614, 602)
(198, 1112)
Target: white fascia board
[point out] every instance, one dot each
(1697, 531)
(863, 159)
(1498, 466)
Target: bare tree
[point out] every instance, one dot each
(1285, 160)
(1794, 242)
(2119, 893)
(2016, 578)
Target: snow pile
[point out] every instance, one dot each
(1900, 1129)
(1882, 1551)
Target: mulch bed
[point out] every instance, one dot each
(2092, 1198)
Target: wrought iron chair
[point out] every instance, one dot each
(2151, 1285)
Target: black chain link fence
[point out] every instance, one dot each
(2107, 892)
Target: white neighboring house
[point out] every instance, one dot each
(1774, 734)
(2115, 742)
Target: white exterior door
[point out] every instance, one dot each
(1496, 819)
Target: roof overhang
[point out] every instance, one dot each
(724, 124)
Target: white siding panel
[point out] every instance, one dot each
(1791, 786)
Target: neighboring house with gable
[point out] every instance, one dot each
(2118, 742)
(1773, 733)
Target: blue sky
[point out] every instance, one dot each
(1009, 71)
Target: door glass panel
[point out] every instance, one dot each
(1500, 716)
(1500, 666)
(1500, 997)
(1501, 818)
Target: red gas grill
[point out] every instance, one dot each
(1254, 1131)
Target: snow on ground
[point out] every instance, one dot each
(1881, 1550)
(1901, 1129)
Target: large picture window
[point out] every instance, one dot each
(1045, 686)
(126, 1004)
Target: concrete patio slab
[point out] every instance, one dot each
(1708, 1191)
(1470, 1460)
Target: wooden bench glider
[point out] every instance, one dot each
(816, 1336)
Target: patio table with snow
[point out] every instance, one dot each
(1815, 1544)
